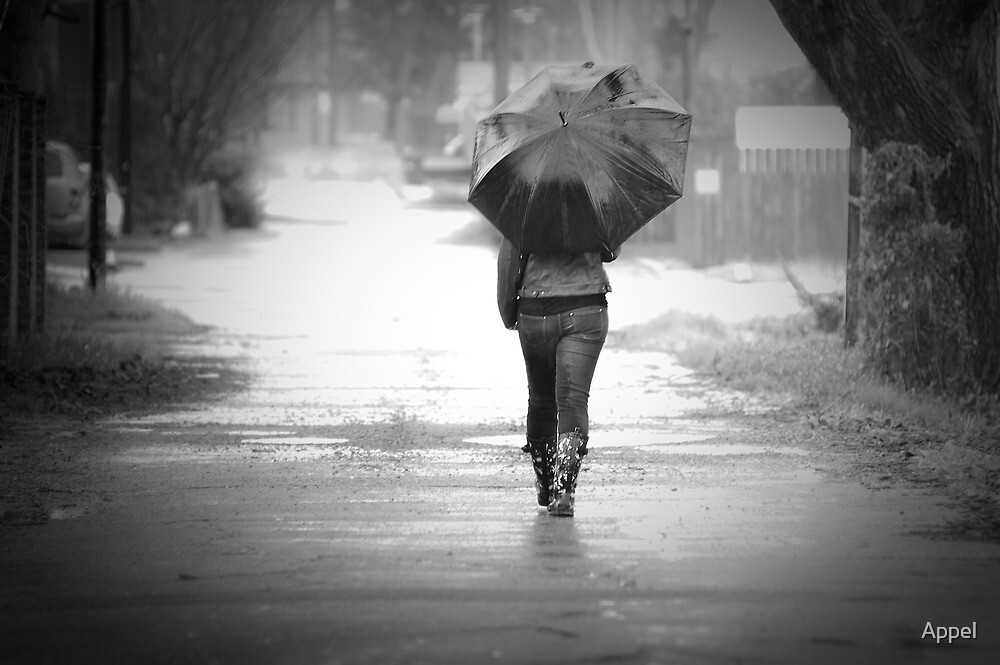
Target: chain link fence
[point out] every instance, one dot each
(22, 216)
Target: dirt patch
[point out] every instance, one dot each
(885, 454)
(134, 386)
(891, 453)
(52, 420)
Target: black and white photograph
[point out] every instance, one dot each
(539, 332)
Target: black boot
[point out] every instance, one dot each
(542, 451)
(570, 450)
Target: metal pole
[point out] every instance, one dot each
(501, 50)
(854, 166)
(33, 245)
(15, 222)
(97, 193)
(125, 118)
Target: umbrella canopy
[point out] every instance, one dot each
(579, 159)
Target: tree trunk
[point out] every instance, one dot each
(21, 45)
(973, 188)
(925, 74)
(392, 106)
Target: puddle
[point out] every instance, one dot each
(667, 443)
(725, 449)
(608, 439)
(295, 440)
(66, 512)
(278, 449)
(259, 432)
(150, 430)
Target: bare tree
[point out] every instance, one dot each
(925, 73)
(402, 49)
(207, 70)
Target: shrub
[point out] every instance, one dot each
(241, 205)
(232, 169)
(914, 328)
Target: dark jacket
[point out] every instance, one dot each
(564, 274)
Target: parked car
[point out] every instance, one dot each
(441, 176)
(67, 199)
(64, 184)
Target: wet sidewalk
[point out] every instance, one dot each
(413, 543)
(365, 499)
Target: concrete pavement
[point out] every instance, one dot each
(365, 501)
(405, 543)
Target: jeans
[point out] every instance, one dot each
(560, 355)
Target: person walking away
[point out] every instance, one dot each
(562, 322)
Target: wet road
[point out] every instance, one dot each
(365, 500)
(195, 543)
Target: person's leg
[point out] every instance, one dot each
(539, 336)
(585, 331)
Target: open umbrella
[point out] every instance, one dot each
(579, 158)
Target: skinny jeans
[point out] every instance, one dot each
(560, 355)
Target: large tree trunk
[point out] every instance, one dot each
(21, 45)
(926, 74)
(977, 201)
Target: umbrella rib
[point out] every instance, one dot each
(533, 134)
(516, 155)
(647, 162)
(603, 166)
(586, 183)
(545, 152)
(594, 200)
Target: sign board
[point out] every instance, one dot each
(791, 128)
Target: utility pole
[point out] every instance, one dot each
(687, 54)
(125, 118)
(313, 86)
(332, 32)
(854, 165)
(501, 50)
(98, 43)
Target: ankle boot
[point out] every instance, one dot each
(570, 450)
(542, 452)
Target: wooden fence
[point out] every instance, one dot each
(22, 215)
(769, 203)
